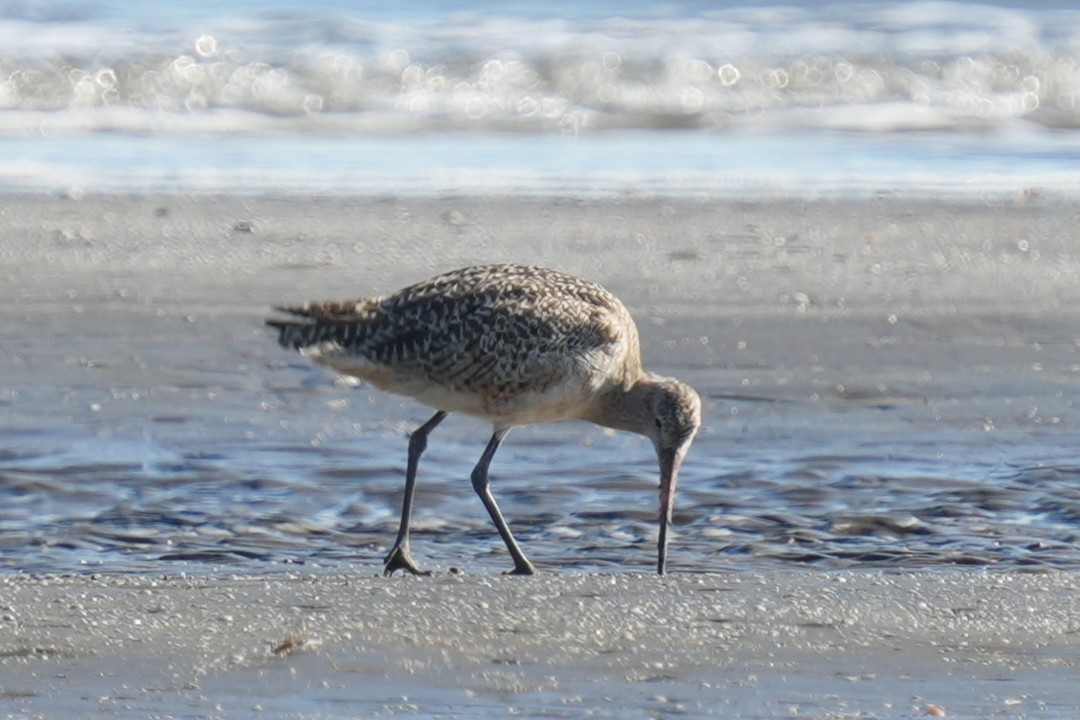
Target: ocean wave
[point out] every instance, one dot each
(891, 67)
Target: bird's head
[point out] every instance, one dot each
(676, 417)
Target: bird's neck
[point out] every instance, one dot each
(625, 407)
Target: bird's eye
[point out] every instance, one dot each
(659, 425)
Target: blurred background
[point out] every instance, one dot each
(600, 98)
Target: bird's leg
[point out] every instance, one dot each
(399, 557)
(480, 484)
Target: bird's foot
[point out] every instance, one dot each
(522, 568)
(401, 559)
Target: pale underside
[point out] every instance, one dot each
(568, 395)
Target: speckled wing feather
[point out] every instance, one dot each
(497, 329)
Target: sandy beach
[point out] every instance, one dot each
(824, 336)
(798, 644)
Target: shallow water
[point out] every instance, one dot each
(160, 429)
(310, 473)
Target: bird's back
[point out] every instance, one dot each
(520, 342)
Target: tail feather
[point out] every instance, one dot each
(296, 310)
(317, 322)
(295, 335)
(333, 310)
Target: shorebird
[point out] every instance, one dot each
(512, 344)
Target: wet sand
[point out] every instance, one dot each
(789, 644)
(886, 381)
(940, 335)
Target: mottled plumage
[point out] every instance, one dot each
(510, 343)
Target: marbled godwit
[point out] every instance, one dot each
(512, 344)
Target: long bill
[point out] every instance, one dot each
(670, 460)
